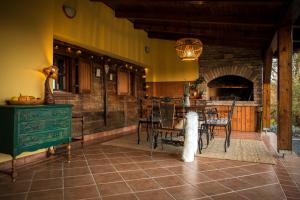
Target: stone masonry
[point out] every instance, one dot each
(217, 61)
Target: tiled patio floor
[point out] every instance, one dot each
(110, 173)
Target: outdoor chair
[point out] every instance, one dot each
(165, 133)
(143, 119)
(202, 128)
(224, 122)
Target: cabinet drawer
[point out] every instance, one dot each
(41, 114)
(43, 125)
(41, 138)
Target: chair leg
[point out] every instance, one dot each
(207, 135)
(200, 142)
(162, 144)
(147, 129)
(229, 134)
(139, 127)
(155, 140)
(226, 136)
(212, 129)
(152, 142)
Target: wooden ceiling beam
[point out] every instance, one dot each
(267, 21)
(291, 15)
(216, 33)
(235, 2)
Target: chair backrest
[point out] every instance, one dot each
(155, 111)
(167, 111)
(144, 109)
(230, 113)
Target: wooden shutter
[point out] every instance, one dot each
(84, 76)
(123, 83)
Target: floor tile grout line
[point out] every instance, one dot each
(279, 180)
(160, 186)
(99, 195)
(29, 188)
(125, 182)
(255, 187)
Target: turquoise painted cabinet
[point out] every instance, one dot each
(29, 128)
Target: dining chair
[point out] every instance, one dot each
(225, 123)
(166, 133)
(202, 128)
(143, 119)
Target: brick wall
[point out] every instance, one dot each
(122, 110)
(217, 61)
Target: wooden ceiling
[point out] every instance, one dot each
(240, 23)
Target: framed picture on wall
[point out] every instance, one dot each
(98, 73)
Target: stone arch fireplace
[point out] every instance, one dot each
(229, 86)
(249, 79)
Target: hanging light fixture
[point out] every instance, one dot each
(189, 48)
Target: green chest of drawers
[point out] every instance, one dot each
(29, 128)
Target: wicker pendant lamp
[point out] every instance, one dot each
(189, 48)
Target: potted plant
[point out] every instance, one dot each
(196, 86)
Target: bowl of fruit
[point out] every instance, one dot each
(25, 100)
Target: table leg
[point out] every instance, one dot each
(69, 152)
(13, 169)
(138, 136)
(82, 133)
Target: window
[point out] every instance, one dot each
(74, 74)
(84, 76)
(62, 82)
(123, 83)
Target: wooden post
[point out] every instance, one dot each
(105, 97)
(266, 89)
(284, 95)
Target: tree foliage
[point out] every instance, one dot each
(295, 90)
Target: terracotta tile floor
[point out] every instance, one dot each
(111, 173)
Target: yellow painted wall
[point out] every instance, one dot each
(95, 27)
(166, 65)
(26, 35)
(27, 28)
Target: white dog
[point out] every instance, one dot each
(191, 137)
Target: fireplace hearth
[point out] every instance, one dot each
(229, 86)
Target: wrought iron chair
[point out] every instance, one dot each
(202, 127)
(224, 122)
(144, 118)
(166, 131)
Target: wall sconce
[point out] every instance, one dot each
(69, 50)
(50, 72)
(144, 76)
(106, 68)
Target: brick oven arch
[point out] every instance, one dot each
(244, 72)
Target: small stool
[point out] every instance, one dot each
(81, 117)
